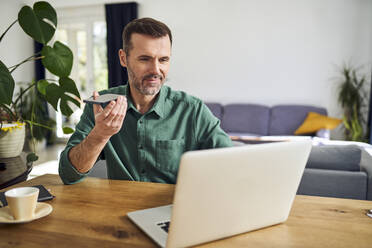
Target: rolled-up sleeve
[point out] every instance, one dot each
(68, 173)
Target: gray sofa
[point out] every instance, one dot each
(252, 119)
(338, 171)
(333, 171)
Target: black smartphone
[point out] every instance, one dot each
(106, 98)
(44, 195)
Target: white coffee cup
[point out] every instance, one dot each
(22, 202)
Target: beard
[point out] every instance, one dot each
(140, 85)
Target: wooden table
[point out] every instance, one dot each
(92, 213)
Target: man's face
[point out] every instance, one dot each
(147, 63)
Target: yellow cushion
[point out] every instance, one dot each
(314, 122)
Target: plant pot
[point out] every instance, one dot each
(12, 139)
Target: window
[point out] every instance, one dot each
(100, 56)
(85, 33)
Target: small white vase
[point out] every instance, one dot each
(12, 141)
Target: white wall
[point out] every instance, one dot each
(16, 45)
(267, 52)
(261, 51)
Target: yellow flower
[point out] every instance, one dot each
(12, 126)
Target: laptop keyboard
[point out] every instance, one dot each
(164, 225)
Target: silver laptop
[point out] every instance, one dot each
(227, 191)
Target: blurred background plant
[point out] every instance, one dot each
(353, 98)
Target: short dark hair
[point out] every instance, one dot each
(147, 26)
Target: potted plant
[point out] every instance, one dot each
(353, 97)
(40, 23)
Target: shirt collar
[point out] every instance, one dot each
(158, 106)
(129, 98)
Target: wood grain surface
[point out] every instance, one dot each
(92, 213)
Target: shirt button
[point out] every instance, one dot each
(141, 121)
(143, 171)
(140, 147)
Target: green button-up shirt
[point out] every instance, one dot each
(149, 146)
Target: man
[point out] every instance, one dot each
(145, 131)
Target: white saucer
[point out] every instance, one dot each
(42, 210)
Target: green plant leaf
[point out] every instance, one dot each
(37, 22)
(65, 109)
(53, 94)
(42, 85)
(57, 59)
(69, 85)
(6, 85)
(67, 130)
(69, 98)
(31, 157)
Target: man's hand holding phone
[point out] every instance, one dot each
(109, 119)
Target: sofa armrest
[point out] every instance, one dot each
(366, 165)
(335, 157)
(347, 158)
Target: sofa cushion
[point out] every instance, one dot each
(285, 119)
(216, 109)
(315, 122)
(246, 118)
(335, 157)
